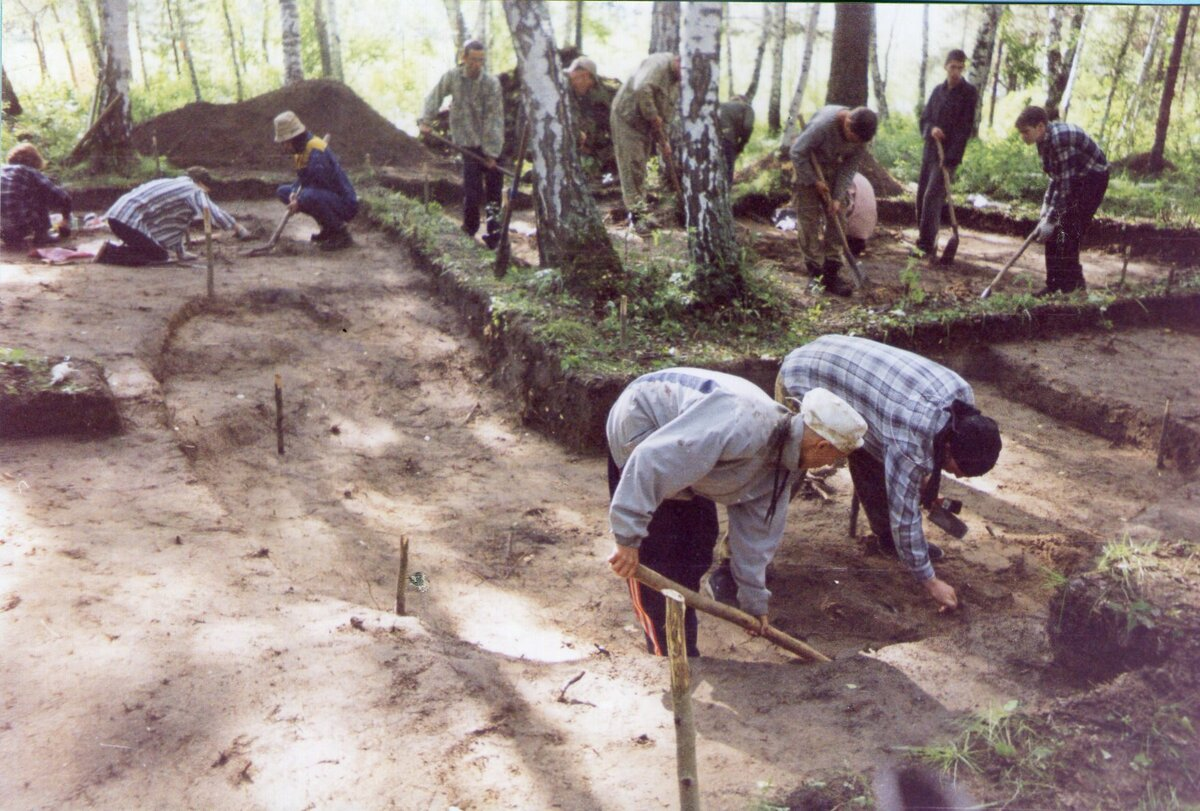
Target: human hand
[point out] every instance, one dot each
(490, 163)
(425, 129)
(1045, 229)
(623, 561)
(834, 207)
(240, 231)
(943, 593)
(64, 229)
(937, 134)
(761, 630)
(294, 205)
(822, 188)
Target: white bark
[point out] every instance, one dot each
(793, 126)
(923, 72)
(776, 96)
(1066, 98)
(982, 53)
(335, 42)
(877, 79)
(458, 26)
(289, 22)
(664, 27)
(114, 144)
(711, 241)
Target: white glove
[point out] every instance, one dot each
(1045, 229)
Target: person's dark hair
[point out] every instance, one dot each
(1032, 116)
(863, 123)
(300, 141)
(956, 55)
(975, 444)
(473, 45)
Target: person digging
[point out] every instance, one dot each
(322, 190)
(680, 440)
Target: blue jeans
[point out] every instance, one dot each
(329, 210)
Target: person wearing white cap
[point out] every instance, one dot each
(922, 420)
(591, 106)
(322, 190)
(680, 440)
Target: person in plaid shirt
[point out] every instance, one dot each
(921, 420)
(152, 220)
(1078, 173)
(27, 197)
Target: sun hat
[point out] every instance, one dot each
(287, 126)
(833, 419)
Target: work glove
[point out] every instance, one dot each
(1045, 229)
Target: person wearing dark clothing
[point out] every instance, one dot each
(27, 197)
(735, 123)
(322, 190)
(948, 118)
(1078, 173)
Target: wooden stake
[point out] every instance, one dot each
(623, 311)
(208, 251)
(681, 700)
(730, 614)
(279, 414)
(157, 157)
(1124, 267)
(1162, 436)
(854, 505)
(402, 582)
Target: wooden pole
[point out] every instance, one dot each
(1162, 436)
(681, 700)
(1124, 266)
(504, 247)
(402, 580)
(623, 312)
(208, 250)
(854, 505)
(279, 414)
(730, 614)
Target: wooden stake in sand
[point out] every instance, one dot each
(681, 700)
(279, 414)
(728, 613)
(208, 250)
(1162, 436)
(402, 582)
(623, 312)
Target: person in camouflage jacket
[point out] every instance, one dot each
(641, 113)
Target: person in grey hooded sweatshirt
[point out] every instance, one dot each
(680, 440)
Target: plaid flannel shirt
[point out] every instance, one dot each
(26, 197)
(903, 397)
(163, 210)
(1068, 156)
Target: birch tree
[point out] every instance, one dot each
(727, 40)
(1134, 103)
(923, 72)
(322, 32)
(135, 10)
(113, 141)
(174, 37)
(483, 23)
(289, 23)
(877, 80)
(335, 41)
(711, 243)
(458, 26)
(1157, 160)
(793, 126)
(233, 49)
(848, 60)
(1118, 68)
(1073, 73)
(188, 59)
(1058, 57)
(763, 36)
(982, 53)
(780, 34)
(664, 27)
(90, 36)
(571, 235)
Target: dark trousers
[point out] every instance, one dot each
(329, 210)
(871, 485)
(475, 174)
(679, 546)
(137, 249)
(731, 152)
(37, 222)
(931, 197)
(1064, 273)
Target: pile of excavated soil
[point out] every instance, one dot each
(241, 136)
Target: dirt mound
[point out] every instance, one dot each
(240, 136)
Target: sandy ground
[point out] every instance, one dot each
(190, 620)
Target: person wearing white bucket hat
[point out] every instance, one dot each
(922, 419)
(680, 440)
(322, 190)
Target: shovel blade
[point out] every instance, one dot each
(951, 250)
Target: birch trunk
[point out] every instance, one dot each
(233, 49)
(924, 70)
(289, 22)
(113, 149)
(1060, 55)
(266, 30)
(727, 39)
(982, 55)
(711, 242)
(773, 114)
(62, 37)
(137, 29)
(794, 123)
(458, 26)
(188, 60)
(322, 32)
(483, 23)
(760, 52)
(40, 46)
(90, 36)
(1157, 160)
(1134, 105)
(1075, 59)
(335, 41)
(174, 37)
(571, 235)
(1118, 66)
(877, 79)
(664, 27)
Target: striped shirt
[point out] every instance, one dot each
(26, 198)
(903, 397)
(163, 210)
(1068, 156)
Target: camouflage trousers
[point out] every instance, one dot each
(633, 152)
(817, 235)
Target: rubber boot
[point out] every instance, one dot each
(491, 235)
(834, 283)
(813, 269)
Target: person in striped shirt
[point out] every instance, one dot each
(152, 220)
(27, 197)
(1078, 173)
(921, 420)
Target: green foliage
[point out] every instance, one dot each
(910, 276)
(54, 118)
(1007, 170)
(898, 146)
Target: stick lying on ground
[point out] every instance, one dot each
(857, 275)
(987, 291)
(470, 153)
(730, 614)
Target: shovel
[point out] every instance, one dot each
(858, 276)
(470, 153)
(952, 245)
(987, 291)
